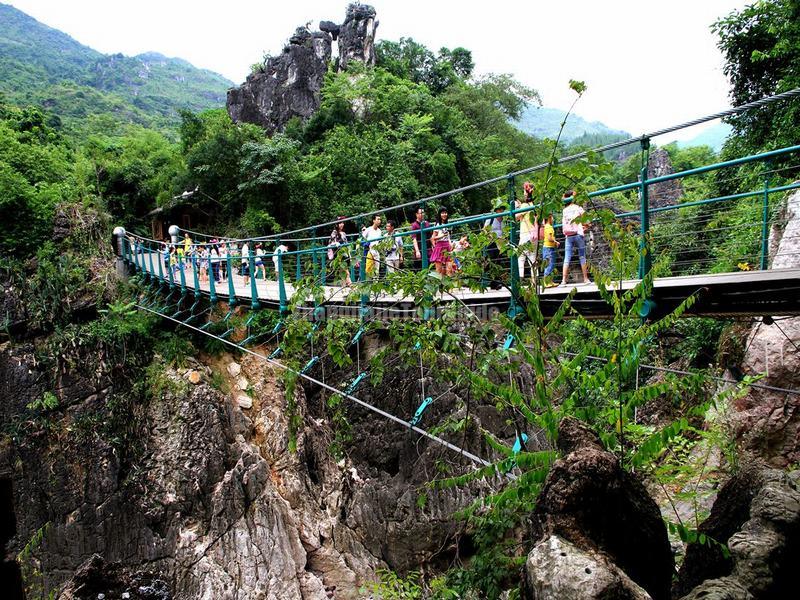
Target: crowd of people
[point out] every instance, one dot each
(382, 252)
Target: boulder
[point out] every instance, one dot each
(234, 369)
(757, 513)
(766, 422)
(591, 502)
(556, 569)
(245, 402)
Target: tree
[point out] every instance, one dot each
(761, 45)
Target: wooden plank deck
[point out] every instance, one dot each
(769, 292)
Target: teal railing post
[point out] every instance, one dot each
(362, 277)
(136, 265)
(282, 306)
(170, 272)
(323, 257)
(212, 291)
(513, 240)
(195, 279)
(182, 264)
(151, 275)
(764, 262)
(423, 242)
(645, 259)
(231, 290)
(298, 275)
(251, 263)
(160, 260)
(314, 267)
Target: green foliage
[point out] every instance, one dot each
(393, 587)
(761, 46)
(30, 567)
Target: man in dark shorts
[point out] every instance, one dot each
(418, 223)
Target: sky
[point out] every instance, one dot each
(647, 64)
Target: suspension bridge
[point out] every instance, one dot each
(742, 284)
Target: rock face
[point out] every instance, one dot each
(665, 193)
(289, 85)
(557, 569)
(207, 500)
(590, 502)
(357, 35)
(767, 422)
(757, 513)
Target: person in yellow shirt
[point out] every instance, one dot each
(549, 249)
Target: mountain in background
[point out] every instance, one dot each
(713, 136)
(544, 122)
(41, 65)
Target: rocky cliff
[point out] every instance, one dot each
(289, 85)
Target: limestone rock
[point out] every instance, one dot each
(234, 369)
(767, 422)
(242, 383)
(245, 402)
(289, 84)
(194, 377)
(590, 501)
(557, 569)
(764, 507)
(665, 193)
(357, 35)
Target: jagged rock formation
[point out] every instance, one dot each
(767, 422)
(357, 35)
(665, 193)
(213, 503)
(590, 502)
(757, 513)
(289, 85)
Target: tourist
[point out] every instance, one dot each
(550, 243)
(394, 254)
(419, 223)
(337, 244)
(461, 245)
(246, 263)
(574, 233)
(528, 232)
(260, 266)
(223, 261)
(495, 226)
(213, 251)
(370, 235)
(440, 238)
(202, 257)
(279, 249)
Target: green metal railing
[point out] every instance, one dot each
(141, 252)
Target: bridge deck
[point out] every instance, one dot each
(769, 292)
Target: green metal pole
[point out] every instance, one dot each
(298, 275)
(231, 290)
(282, 307)
(314, 268)
(513, 239)
(183, 278)
(323, 271)
(765, 223)
(171, 274)
(160, 260)
(362, 277)
(423, 242)
(152, 273)
(212, 290)
(645, 259)
(253, 289)
(194, 276)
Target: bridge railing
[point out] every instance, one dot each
(699, 236)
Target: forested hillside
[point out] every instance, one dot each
(45, 67)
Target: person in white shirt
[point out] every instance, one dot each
(371, 234)
(394, 255)
(246, 263)
(259, 262)
(574, 233)
(279, 250)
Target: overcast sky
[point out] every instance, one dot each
(647, 64)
